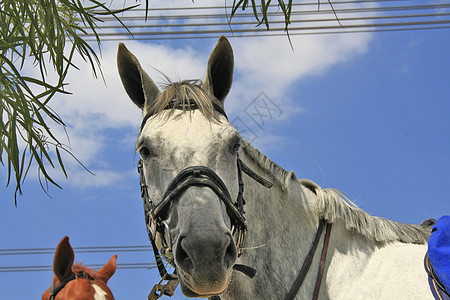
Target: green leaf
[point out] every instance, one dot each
(41, 30)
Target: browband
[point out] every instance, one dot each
(192, 106)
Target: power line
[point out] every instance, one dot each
(93, 249)
(138, 15)
(311, 30)
(90, 249)
(277, 22)
(291, 29)
(48, 268)
(313, 3)
(250, 35)
(198, 22)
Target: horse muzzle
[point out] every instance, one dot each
(204, 249)
(204, 262)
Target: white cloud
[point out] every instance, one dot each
(265, 64)
(95, 107)
(101, 178)
(109, 104)
(269, 63)
(275, 70)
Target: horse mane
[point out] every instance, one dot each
(79, 268)
(276, 172)
(182, 95)
(334, 206)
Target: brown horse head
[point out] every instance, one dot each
(74, 281)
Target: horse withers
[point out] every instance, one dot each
(75, 281)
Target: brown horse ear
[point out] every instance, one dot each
(219, 76)
(63, 260)
(138, 85)
(108, 269)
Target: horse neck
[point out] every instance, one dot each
(282, 223)
(281, 227)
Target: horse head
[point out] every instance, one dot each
(72, 282)
(190, 167)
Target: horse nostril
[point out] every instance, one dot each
(182, 257)
(193, 253)
(230, 254)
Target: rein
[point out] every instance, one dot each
(54, 290)
(308, 261)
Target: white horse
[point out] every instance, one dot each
(191, 220)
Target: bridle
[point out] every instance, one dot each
(201, 176)
(189, 177)
(54, 290)
(158, 231)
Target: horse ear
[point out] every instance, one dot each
(108, 269)
(63, 261)
(219, 76)
(138, 85)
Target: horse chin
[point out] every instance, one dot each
(192, 289)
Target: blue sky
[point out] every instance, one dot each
(367, 114)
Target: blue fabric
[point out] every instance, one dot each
(439, 250)
(438, 294)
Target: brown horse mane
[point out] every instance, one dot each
(80, 268)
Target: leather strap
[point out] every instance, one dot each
(54, 290)
(323, 260)
(167, 289)
(306, 263)
(437, 287)
(249, 271)
(160, 264)
(254, 176)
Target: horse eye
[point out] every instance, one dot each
(145, 152)
(236, 147)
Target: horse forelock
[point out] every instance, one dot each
(98, 280)
(79, 268)
(180, 96)
(334, 206)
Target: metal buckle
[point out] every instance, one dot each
(151, 228)
(167, 289)
(240, 242)
(166, 241)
